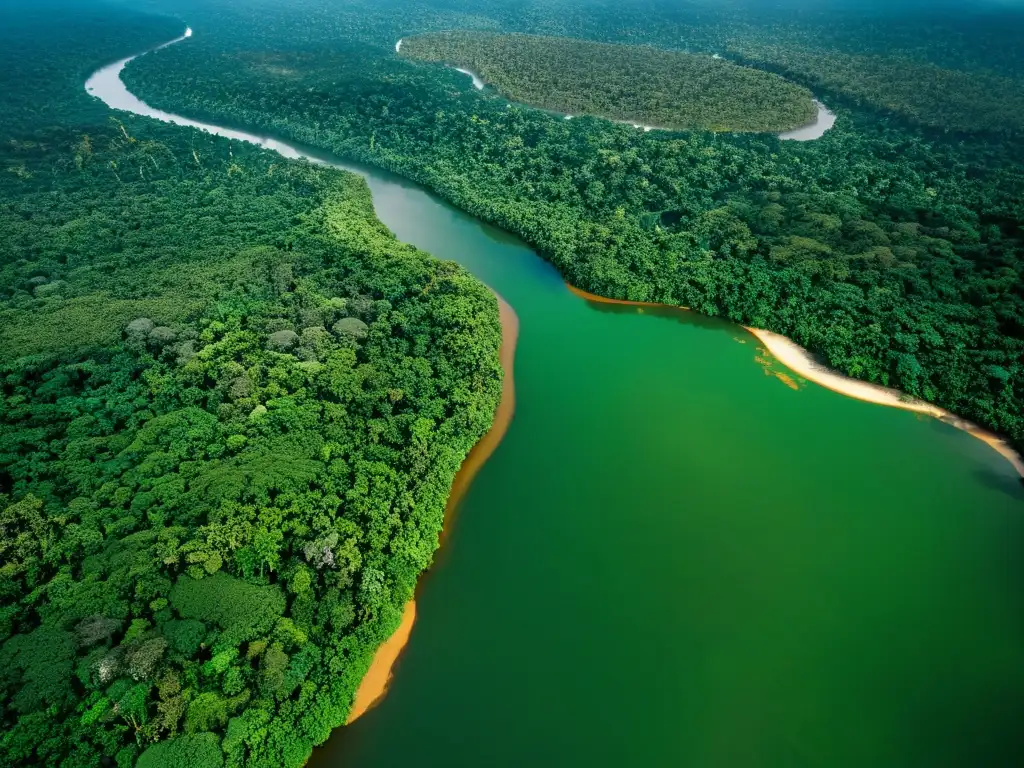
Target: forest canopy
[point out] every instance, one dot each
(919, 91)
(634, 84)
(232, 405)
(893, 252)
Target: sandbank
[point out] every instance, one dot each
(482, 451)
(605, 300)
(802, 362)
(375, 682)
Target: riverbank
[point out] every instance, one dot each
(107, 85)
(487, 444)
(815, 129)
(760, 567)
(802, 363)
(605, 300)
(375, 682)
(478, 82)
(823, 121)
(374, 685)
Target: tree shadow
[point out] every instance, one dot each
(678, 314)
(999, 481)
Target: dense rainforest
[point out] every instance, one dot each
(891, 249)
(231, 409)
(922, 92)
(634, 84)
(233, 404)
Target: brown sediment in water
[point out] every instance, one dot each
(802, 362)
(374, 684)
(605, 300)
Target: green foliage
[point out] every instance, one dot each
(186, 513)
(635, 84)
(200, 750)
(243, 611)
(37, 665)
(207, 711)
(922, 92)
(161, 458)
(185, 637)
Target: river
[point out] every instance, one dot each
(677, 558)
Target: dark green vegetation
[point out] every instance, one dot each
(893, 251)
(231, 409)
(939, 97)
(221, 478)
(636, 84)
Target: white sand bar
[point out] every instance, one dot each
(801, 362)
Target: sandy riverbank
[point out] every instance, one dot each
(801, 362)
(605, 300)
(482, 451)
(106, 85)
(375, 683)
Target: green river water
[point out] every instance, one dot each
(674, 559)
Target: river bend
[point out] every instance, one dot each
(682, 554)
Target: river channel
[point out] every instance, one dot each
(682, 555)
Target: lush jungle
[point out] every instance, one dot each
(635, 84)
(231, 409)
(233, 404)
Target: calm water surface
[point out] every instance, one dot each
(676, 559)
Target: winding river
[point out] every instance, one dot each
(682, 554)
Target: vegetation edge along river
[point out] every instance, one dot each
(234, 406)
(891, 252)
(106, 85)
(787, 352)
(812, 125)
(316, 381)
(803, 363)
(375, 683)
(670, 90)
(798, 358)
